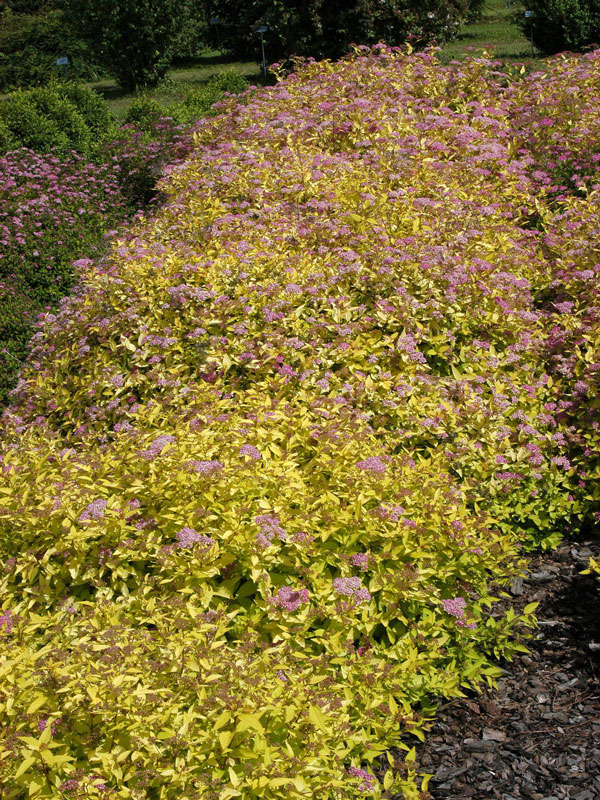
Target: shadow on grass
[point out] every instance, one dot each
(209, 60)
(111, 91)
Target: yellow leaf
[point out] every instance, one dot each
(24, 766)
(318, 718)
(225, 738)
(233, 777)
(129, 345)
(47, 756)
(246, 721)
(228, 792)
(222, 720)
(165, 733)
(30, 741)
(388, 779)
(92, 691)
(299, 784)
(34, 786)
(36, 704)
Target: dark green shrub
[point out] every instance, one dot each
(141, 152)
(91, 106)
(195, 34)
(134, 40)
(28, 127)
(326, 29)
(475, 10)
(16, 318)
(30, 45)
(7, 140)
(62, 117)
(558, 25)
(52, 211)
(143, 113)
(229, 81)
(199, 100)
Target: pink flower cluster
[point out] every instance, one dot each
(270, 526)
(157, 446)
(352, 587)
(205, 467)
(95, 510)
(43, 721)
(372, 464)
(368, 780)
(7, 621)
(187, 537)
(290, 599)
(70, 785)
(456, 607)
(250, 450)
(360, 560)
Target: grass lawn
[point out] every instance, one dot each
(496, 32)
(179, 80)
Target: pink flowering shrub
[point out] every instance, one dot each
(139, 154)
(52, 211)
(269, 465)
(57, 207)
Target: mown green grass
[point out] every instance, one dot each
(496, 32)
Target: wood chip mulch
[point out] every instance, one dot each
(537, 736)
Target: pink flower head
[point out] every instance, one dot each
(95, 510)
(352, 587)
(250, 450)
(360, 560)
(368, 781)
(455, 606)
(205, 467)
(188, 537)
(372, 464)
(346, 586)
(270, 526)
(6, 621)
(289, 599)
(43, 721)
(158, 445)
(69, 785)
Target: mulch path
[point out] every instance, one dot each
(537, 737)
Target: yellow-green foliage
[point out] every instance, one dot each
(593, 567)
(268, 469)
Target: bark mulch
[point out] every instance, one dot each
(537, 736)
